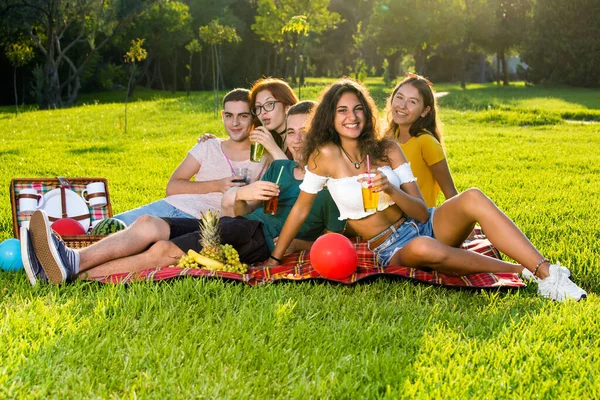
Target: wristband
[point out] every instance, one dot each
(275, 258)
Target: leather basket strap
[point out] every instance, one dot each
(76, 218)
(63, 202)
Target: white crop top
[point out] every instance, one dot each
(346, 192)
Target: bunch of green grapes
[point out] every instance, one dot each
(232, 260)
(187, 262)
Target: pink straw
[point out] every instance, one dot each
(230, 165)
(369, 168)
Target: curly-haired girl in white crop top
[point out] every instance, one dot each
(401, 230)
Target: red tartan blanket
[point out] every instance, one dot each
(297, 267)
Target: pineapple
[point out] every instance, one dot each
(210, 240)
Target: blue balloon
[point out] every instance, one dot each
(10, 255)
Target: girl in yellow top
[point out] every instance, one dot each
(414, 124)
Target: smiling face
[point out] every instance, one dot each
(407, 105)
(349, 118)
(273, 120)
(237, 120)
(295, 134)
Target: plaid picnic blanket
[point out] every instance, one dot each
(297, 267)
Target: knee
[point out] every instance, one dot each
(473, 197)
(164, 248)
(424, 249)
(151, 226)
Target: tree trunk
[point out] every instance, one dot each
(146, 71)
(174, 65)
(73, 92)
(153, 75)
(15, 87)
(498, 68)
(127, 94)
(268, 69)
(51, 87)
(303, 61)
(420, 60)
(160, 77)
(214, 74)
(504, 68)
(201, 69)
(220, 69)
(295, 61)
(465, 63)
(275, 63)
(189, 82)
(481, 68)
(393, 64)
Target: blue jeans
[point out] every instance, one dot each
(400, 237)
(159, 208)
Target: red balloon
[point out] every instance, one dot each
(67, 226)
(334, 256)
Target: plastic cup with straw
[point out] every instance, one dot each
(370, 198)
(256, 150)
(270, 206)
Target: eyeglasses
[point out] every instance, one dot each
(268, 106)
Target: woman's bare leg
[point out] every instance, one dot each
(455, 218)
(428, 252)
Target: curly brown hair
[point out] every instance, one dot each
(430, 124)
(322, 128)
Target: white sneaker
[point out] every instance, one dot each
(528, 275)
(559, 287)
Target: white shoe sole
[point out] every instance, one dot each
(45, 250)
(25, 256)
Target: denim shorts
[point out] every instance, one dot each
(159, 208)
(400, 236)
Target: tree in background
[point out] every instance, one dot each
(398, 27)
(476, 19)
(332, 54)
(512, 18)
(272, 18)
(564, 43)
(192, 47)
(135, 54)
(214, 34)
(299, 27)
(18, 54)
(166, 25)
(68, 33)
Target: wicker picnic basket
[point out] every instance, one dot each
(45, 185)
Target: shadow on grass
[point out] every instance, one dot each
(9, 111)
(96, 149)
(12, 152)
(479, 97)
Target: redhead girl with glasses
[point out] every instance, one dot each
(270, 98)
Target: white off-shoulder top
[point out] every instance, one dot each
(346, 192)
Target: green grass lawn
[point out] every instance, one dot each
(388, 338)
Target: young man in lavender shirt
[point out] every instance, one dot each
(213, 163)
